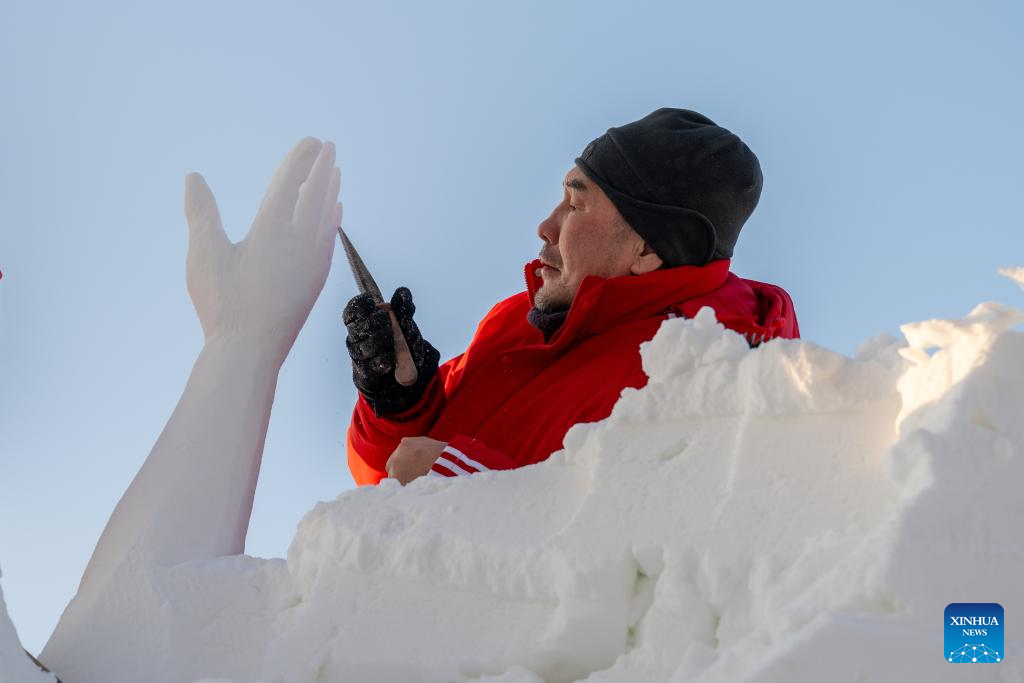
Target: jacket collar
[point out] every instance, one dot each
(603, 303)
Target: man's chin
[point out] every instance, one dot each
(547, 301)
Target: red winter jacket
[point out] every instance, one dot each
(511, 397)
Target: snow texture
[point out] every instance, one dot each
(15, 666)
(782, 513)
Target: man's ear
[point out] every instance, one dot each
(646, 261)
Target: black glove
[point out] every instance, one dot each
(371, 345)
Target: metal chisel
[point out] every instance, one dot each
(405, 368)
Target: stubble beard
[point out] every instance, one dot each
(549, 311)
(549, 299)
(552, 297)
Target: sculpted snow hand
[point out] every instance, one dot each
(263, 288)
(193, 496)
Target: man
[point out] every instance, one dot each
(644, 232)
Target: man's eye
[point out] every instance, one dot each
(573, 207)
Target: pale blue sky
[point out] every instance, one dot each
(889, 134)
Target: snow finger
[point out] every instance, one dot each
(279, 202)
(330, 217)
(310, 204)
(205, 230)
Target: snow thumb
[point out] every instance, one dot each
(205, 231)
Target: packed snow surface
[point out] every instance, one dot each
(782, 513)
(15, 666)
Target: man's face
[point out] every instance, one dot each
(584, 235)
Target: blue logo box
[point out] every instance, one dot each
(974, 633)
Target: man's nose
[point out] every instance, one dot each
(548, 228)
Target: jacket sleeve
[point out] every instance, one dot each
(371, 439)
(465, 455)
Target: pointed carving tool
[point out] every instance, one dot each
(405, 368)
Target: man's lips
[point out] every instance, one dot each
(552, 271)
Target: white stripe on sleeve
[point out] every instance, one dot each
(466, 459)
(450, 461)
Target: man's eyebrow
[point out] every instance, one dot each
(576, 184)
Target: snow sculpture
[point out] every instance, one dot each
(15, 667)
(781, 513)
(193, 496)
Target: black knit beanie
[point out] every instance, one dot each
(683, 183)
